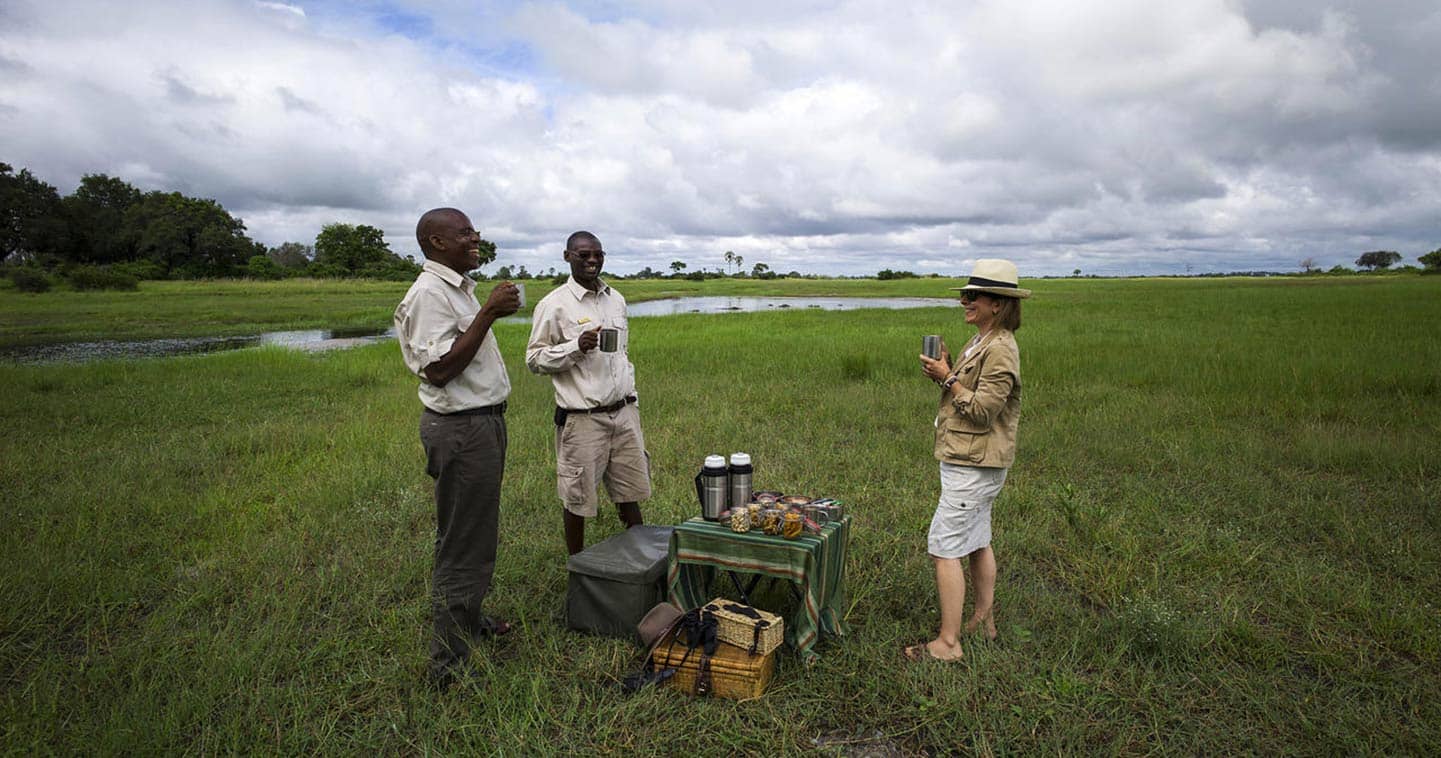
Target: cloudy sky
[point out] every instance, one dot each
(1113, 136)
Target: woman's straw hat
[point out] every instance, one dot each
(994, 277)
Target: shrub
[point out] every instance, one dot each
(96, 278)
(396, 270)
(327, 271)
(559, 279)
(261, 267)
(141, 269)
(30, 279)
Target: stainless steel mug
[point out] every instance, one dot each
(931, 346)
(609, 340)
(520, 290)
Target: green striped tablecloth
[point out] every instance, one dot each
(817, 563)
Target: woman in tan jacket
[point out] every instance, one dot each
(975, 443)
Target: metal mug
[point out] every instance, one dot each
(609, 340)
(520, 291)
(818, 513)
(931, 346)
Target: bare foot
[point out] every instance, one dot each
(976, 623)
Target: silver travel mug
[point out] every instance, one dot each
(520, 290)
(931, 346)
(609, 340)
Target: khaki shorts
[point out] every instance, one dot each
(601, 447)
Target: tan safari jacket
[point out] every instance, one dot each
(976, 424)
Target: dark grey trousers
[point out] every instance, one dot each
(466, 457)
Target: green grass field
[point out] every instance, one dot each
(1222, 533)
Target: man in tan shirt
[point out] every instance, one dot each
(446, 341)
(598, 436)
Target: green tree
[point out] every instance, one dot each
(730, 258)
(31, 218)
(677, 266)
(1378, 259)
(96, 211)
(188, 237)
(487, 252)
(1431, 260)
(351, 247)
(762, 271)
(292, 255)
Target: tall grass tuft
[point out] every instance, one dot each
(856, 367)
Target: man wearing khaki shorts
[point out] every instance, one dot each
(597, 421)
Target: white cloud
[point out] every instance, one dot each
(285, 8)
(1119, 136)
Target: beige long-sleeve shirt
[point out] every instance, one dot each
(581, 379)
(439, 306)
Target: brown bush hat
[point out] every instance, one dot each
(657, 623)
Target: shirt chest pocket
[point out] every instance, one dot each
(571, 328)
(622, 328)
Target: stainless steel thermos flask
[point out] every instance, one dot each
(740, 480)
(710, 487)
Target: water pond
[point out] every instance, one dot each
(332, 339)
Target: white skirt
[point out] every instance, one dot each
(962, 524)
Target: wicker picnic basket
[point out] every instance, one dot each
(750, 629)
(734, 673)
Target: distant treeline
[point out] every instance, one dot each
(108, 224)
(108, 234)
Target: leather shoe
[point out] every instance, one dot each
(496, 628)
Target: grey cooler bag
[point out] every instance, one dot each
(614, 582)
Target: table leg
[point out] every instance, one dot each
(744, 592)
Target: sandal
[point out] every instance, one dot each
(922, 652)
